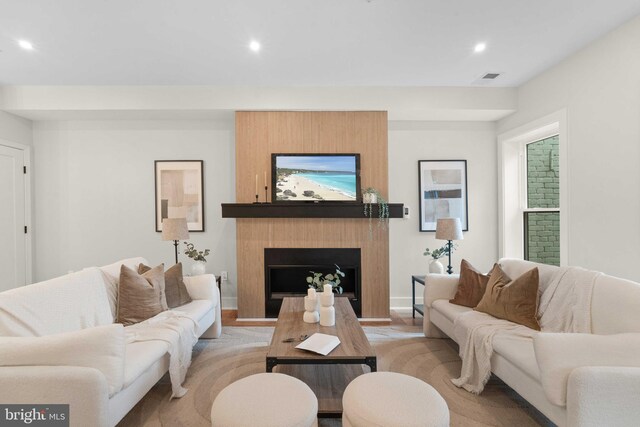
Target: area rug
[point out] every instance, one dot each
(240, 352)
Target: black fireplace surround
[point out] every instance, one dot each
(286, 270)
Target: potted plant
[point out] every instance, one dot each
(318, 280)
(199, 257)
(370, 197)
(436, 266)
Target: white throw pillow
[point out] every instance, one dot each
(102, 348)
(558, 354)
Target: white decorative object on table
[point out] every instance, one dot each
(436, 266)
(198, 268)
(327, 311)
(311, 305)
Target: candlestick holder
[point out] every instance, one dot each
(311, 314)
(266, 200)
(256, 199)
(327, 311)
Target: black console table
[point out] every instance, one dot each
(416, 307)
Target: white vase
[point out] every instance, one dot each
(198, 268)
(369, 198)
(436, 267)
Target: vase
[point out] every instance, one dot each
(436, 267)
(198, 268)
(369, 198)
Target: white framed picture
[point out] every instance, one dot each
(443, 192)
(180, 192)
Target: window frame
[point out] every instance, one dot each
(512, 183)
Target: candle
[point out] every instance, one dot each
(265, 179)
(328, 289)
(256, 183)
(311, 293)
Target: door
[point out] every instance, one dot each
(12, 219)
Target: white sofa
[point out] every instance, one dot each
(69, 303)
(605, 393)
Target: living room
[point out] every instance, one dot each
(93, 96)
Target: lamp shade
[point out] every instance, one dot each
(449, 229)
(175, 229)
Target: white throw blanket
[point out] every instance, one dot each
(475, 331)
(565, 306)
(169, 326)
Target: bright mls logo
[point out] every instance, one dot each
(34, 415)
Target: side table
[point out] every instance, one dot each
(416, 307)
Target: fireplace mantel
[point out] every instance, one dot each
(305, 210)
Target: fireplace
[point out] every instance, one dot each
(286, 270)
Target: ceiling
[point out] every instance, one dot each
(304, 42)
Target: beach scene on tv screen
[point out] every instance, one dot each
(316, 178)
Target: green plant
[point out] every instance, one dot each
(317, 280)
(195, 254)
(440, 252)
(383, 209)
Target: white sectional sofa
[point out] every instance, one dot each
(71, 304)
(601, 371)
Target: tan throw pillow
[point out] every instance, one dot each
(513, 300)
(139, 295)
(471, 285)
(175, 290)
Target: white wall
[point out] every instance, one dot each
(15, 129)
(600, 89)
(95, 198)
(94, 185)
(413, 141)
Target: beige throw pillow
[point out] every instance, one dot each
(174, 288)
(140, 296)
(471, 285)
(513, 300)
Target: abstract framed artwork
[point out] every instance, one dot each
(443, 192)
(180, 192)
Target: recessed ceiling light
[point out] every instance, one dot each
(254, 46)
(26, 45)
(480, 47)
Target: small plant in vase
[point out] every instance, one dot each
(370, 197)
(199, 257)
(435, 266)
(318, 280)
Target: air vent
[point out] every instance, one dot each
(490, 76)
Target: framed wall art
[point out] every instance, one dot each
(180, 192)
(443, 192)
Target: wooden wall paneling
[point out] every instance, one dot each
(258, 134)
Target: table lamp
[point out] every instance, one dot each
(449, 229)
(175, 229)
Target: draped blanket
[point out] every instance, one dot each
(176, 329)
(565, 306)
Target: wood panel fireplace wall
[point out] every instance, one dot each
(261, 133)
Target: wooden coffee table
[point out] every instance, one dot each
(326, 375)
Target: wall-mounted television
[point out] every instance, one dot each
(315, 178)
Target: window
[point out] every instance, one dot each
(533, 213)
(541, 204)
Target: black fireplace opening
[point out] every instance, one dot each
(286, 271)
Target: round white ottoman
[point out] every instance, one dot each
(265, 400)
(388, 399)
